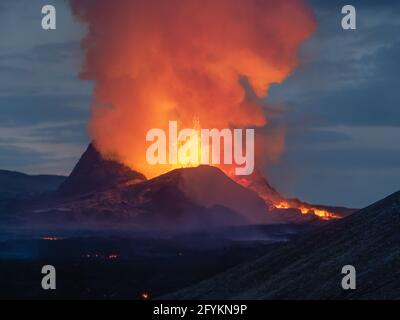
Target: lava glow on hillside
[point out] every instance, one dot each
(322, 214)
(274, 200)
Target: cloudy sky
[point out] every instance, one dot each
(341, 106)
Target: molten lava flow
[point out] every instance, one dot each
(305, 209)
(189, 145)
(274, 200)
(159, 60)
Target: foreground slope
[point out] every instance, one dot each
(310, 267)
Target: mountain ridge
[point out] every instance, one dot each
(18, 184)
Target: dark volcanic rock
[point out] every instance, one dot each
(183, 198)
(310, 267)
(261, 186)
(94, 173)
(209, 186)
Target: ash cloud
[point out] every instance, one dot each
(155, 61)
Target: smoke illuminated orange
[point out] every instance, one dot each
(159, 60)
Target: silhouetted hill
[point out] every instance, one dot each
(310, 267)
(16, 184)
(17, 188)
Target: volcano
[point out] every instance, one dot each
(102, 191)
(105, 191)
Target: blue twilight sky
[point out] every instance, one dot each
(341, 106)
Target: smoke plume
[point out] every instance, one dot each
(158, 60)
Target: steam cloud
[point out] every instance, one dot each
(158, 60)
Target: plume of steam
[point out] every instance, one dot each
(158, 60)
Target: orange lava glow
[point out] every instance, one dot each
(182, 159)
(322, 214)
(145, 296)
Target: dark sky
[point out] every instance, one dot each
(341, 107)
